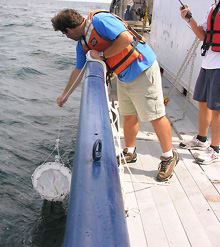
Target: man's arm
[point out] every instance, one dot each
(118, 45)
(67, 92)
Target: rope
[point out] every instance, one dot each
(56, 148)
(82, 71)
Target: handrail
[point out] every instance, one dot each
(96, 216)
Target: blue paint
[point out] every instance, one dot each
(96, 216)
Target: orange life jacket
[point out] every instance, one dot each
(93, 41)
(212, 37)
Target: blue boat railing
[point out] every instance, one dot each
(96, 216)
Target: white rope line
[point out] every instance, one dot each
(61, 116)
(49, 155)
(82, 71)
(88, 58)
(56, 148)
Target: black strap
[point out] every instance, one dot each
(213, 31)
(205, 46)
(84, 38)
(136, 34)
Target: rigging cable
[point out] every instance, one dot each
(190, 57)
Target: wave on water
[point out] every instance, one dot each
(27, 70)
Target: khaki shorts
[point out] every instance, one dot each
(142, 96)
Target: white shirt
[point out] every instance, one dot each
(212, 59)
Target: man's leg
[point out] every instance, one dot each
(131, 127)
(164, 133)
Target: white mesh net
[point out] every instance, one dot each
(52, 181)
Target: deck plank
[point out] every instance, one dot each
(147, 207)
(134, 220)
(207, 217)
(163, 214)
(170, 219)
(191, 224)
(205, 177)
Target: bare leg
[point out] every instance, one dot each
(164, 133)
(131, 128)
(215, 128)
(204, 118)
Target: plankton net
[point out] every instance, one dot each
(52, 180)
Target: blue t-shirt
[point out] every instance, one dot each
(109, 27)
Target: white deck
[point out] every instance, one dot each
(184, 212)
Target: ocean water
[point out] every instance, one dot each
(35, 64)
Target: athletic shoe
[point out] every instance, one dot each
(129, 157)
(166, 167)
(210, 156)
(194, 144)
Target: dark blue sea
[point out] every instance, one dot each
(35, 64)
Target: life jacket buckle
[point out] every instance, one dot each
(109, 75)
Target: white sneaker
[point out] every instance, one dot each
(194, 144)
(210, 156)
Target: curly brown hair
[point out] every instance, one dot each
(67, 18)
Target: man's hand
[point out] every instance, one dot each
(95, 55)
(61, 101)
